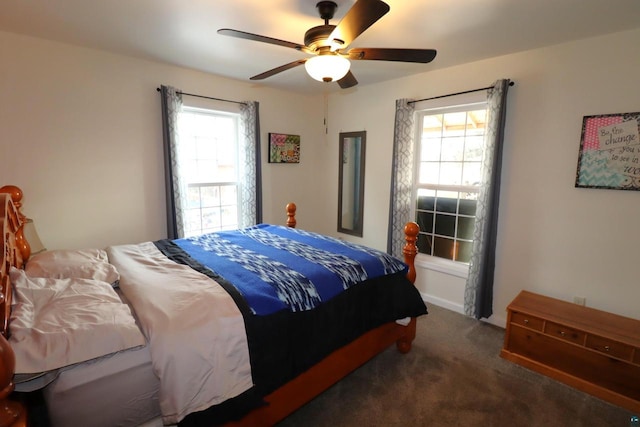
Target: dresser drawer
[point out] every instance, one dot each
(527, 321)
(592, 350)
(565, 333)
(609, 347)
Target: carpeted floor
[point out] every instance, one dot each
(453, 376)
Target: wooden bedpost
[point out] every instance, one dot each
(410, 250)
(16, 196)
(11, 413)
(291, 215)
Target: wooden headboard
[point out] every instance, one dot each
(13, 249)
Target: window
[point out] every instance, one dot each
(447, 178)
(209, 168)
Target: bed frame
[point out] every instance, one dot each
(13, 250)
(285, 400)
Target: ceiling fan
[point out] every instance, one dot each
(329, 42)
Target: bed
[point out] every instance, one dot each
(267, 358)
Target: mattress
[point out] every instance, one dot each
(123, 380)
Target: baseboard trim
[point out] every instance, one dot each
(441, 302)
(500, 321)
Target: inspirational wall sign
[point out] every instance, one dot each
(610, 152)
(284, 148)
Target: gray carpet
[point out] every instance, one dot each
(453, 376)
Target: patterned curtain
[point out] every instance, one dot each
(478, 295)
(175, 190)
(401, 176)
(250, 165)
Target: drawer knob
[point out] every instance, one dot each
(607, 348)
(526, 321)
(562, 333)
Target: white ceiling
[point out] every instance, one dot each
(183, 32)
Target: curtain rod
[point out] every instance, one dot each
(206, 97)
(454, 94)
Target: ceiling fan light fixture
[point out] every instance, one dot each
(327, 68)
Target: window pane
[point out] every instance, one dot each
(192, 221)
(465, 227)
(448, 205)
(443, 248)
(445, 225)
(447, 194)
(471, 174)
(425, 221)
(429, 172)
(189, 170)
(430, 150)
(432, 125)
(424, 244)
(210, 196)
(454, 124)
(426, 203)
(229, 216)
(228, 195)
(473, 149)
(193, 197)
(188, 147)
(467, 207)
(206, 171)
(211, 218)
(463, 251)
(476, 121)
(451, 173)
(452, 149)
(206, 148)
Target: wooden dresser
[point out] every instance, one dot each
(591, 350)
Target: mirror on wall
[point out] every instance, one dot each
(351, 182)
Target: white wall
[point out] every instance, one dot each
(81, 135)
(553, 238)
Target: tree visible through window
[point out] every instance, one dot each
(209, 166)
(448, 179)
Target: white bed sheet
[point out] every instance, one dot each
(115, 390)
(195, 331)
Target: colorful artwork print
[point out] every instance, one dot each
(610, 152)
(284, 148)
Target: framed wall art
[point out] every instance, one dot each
(284, 148)
(609, 154)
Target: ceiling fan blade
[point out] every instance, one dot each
(279, 69)
(361, 16)
(263, 39)
(387, 54)
(349, 80)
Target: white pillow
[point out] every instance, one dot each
(59, 322)
(66, 264)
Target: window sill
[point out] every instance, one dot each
(442, 265)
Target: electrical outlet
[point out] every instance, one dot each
(580, 300)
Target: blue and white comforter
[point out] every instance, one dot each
(279, 268)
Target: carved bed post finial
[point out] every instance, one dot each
(410, 250)
(291, 215)
(16, 198)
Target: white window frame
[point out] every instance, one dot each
(238, 182)
(456, 103)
